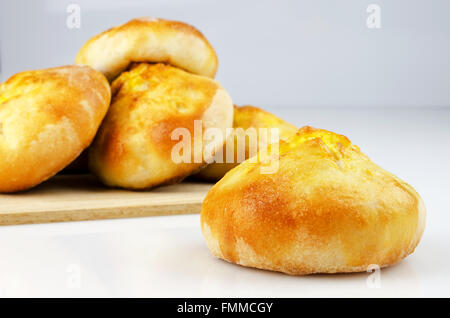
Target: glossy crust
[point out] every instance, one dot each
(328, 209)
(246, 117)
(133, 148)
(47, 118)
(149, 40)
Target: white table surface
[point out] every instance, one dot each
(167, 257)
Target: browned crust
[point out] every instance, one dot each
(328, 209)
(107, 52)
(48, 117)
(245, 117)
(133, 147)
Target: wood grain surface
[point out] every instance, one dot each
(82, 197)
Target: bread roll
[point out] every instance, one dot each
(149, 40)
(327, 209)
(133, 148)
(47, 118)
(246, 117)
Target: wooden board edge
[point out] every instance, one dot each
(98, 214)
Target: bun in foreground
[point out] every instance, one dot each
(47, 118)
(328, 209)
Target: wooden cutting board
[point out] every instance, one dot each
(81, 197)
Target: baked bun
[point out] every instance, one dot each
(149, 40)
(246, 117)
(327, 209)
(47, 118)
(134, 146)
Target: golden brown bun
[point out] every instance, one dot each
(133, 147)
(47, 118)
(327, 209)
(149, 40)
(246, 117)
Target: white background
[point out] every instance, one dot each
(272, 53)
(310, 62)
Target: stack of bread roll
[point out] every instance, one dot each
(326, 208)
(162, 79)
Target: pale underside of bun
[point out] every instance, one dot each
(47, 118)
(328, 209)
(133, 148)
(149, 40)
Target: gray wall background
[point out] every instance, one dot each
(272, 53)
